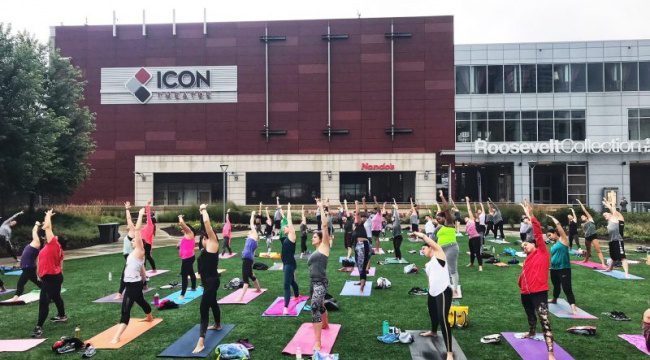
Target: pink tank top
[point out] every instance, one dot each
(377, 222)
(186, 249)
(470, 227)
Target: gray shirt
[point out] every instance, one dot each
(414, 218)
(612, 230)
(278, 215)
(497, 213)
(317, 266)
(5, 229)
(590, 228)
(397, 228)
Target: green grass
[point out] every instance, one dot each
(493, 298)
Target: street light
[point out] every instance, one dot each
(532, 165)
(224, 168)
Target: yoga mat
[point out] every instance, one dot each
(231, 298)
(110, 299)
(135, 328)
(272, 255)
(7, 291)
(617, 274)
(498, 241)
(276, 267)
(371, 272)
(530, 349)
(14, 273)
(460, 293)
(378, 252)
(19, 345)
(182, 348)
(304, 338)
(589, 264)
(189, 296)
(198, 276)
(563, 310)
(227, 256)
(521, 254)
(349, 289)
(392, 260)
(433, 348)
(636, 340)
(151, 274)
(30, 297)
(295, 306)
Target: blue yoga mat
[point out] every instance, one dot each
(349, 289)
(617, 274)
(189, 296)
(182, 348)
(14, 273)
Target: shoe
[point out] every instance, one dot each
(67, 348)
(418, 291)
(582, 330)
(246, 344)
(37, 333)
(619, 316)
(57, 318)
(89, 352)
(491, 339)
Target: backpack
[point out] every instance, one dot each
(234, 283)
(260, 266)
(459, 316)
(232, 352)
(383, 283)
(348, 263)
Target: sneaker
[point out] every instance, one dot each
(619, 316)
(491, 339)
(246, 344)
(418, 291)
(67, 348)
(37, 333)
(89, 352)
(57, 318)
(582, 330)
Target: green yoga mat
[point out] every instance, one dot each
(393, 260)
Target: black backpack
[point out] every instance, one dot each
(260, 266)
(348, 263)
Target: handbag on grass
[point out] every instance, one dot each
(459, 316)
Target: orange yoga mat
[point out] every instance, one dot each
(135, 328)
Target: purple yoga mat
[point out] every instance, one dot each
(530, 349)
(636, 340)
(7, 291)
(111, 298)
(371, 272)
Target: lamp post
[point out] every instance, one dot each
(224, 168)
(532, 165)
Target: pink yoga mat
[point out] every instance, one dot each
(371, 272)
(589, 264)
(530, 349)
(378, 252)
(227, 256)
(278, 306)
(19, 345)
(304, 339)
(636, 340)
(151, 274)
(7, 291)
(231, 298)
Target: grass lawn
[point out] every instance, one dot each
(493, 298)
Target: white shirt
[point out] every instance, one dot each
(132, 270)
(368, 226)
(438, 277)
(481, 219)
(429, 227)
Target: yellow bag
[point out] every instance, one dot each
(459, 316)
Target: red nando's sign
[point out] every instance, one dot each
(384, 166)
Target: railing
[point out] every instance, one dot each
(639, 206)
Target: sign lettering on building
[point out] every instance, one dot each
(384, 166)
(567, 146)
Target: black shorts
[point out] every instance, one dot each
(621, 228)
(415, 227)
(616, 250)
(277, 224)
(247, 270)
(375, 233)
(590, 238)
(348, 240)
(523, 236)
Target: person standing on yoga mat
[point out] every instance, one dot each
(268, 231)
(148, 233)
(533, 281)
(5, 234)
(277, 217)
(226, 233)
(258, 220)
(474, 237)
(50, 271)
(186, 254)
(289, 265)
(560, 264)
(429, 227)
(377, 224)
(134, 278)
(498, 220)
(573, 229)
(208, 265)
(447, 240)
(303, 232)
(362, 247)
(489, 221)
(616, 246)
(127, 246)
(439, 296)
(397, 232)
(456, 214)
(318, 275)
(414, 217)
(480, 227)
(589, 228)
(247, 258)
(347, 230)
(28, 263)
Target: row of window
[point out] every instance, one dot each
(638, 124)
(542, 125)
(548, 78)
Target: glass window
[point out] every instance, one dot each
(478, 77)
(479, 126)
(495, 115)
(495, 130)
(462, 80)
(512, 115)
(528, 78)
(295, 187)
(578, 129)
(462, 115)
(495, 79)
(528, 130)
(595, 77)
(613, 76)
(544, 78)
(644, 76)
(463, 131)
(644, 124)
(544, 130)
(511, 77)
(578, 77)
(479, 115)
(561, 76)
(562, 125)
(633, 128)
(630, 79)
(512, 130)
(577, 114)
(545, 115)
(529, 115)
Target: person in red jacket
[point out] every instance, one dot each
(533, 281)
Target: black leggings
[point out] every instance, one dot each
(187, 269)
(475, 250)
(489, 227)
(247, 270)
(318, 223)
(573, 236)
(499, 227)
(397, 243)
(226, 245)
(535, 306)
(290, 283)
(439, 314)
(28, 274)
(122, 286)
(147, 254)
(8, 247)
(303, 243)
(50, 292)
(133, 294)
(362, 257)
(562, 279)
(209, 302)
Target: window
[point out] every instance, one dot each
(529, 126)
(578, 127)
(544, 125)
(463, 131)
(612, 76)
(644, 124)
(478, 79)
(562, 125)
(644, 76)
(495, 79)
(561, 77)
(595, 77)
(638, 123)
(479, 126)
(544, 78)
(633, 124)
(578, 77)
(295, 187)
(512, 126)
(512, 76)
(495, 126)
(528, 78)
(630, 76)
(462, 80)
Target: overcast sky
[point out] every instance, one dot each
(476, 21)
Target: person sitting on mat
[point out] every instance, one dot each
(560, 264)
(247, 258)
(533, 281)
(439, 296)
(589, 228)
(28, 263)
(186, 254)
(208, 265)
(134, 278)
(318, 274)
(288, 240)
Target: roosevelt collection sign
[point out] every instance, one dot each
(568, 146)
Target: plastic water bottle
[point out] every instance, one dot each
(298, 353)
(77, 332)
(156, 299)
(384, 327)
(110, 276)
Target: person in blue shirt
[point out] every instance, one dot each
(560, 264)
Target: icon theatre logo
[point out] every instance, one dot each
(136, 85)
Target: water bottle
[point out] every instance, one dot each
(110, 276)
(384, 327)
(77, 332)
(298, 353)
(156, 299)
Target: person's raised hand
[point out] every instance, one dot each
(203, 207)
(127, 205)
(228, 210)
(141, 212)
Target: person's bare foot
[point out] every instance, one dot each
(450, 356)
(149, 318)
(469, 265)
(285, 311)
(317, 346)
(240, 299)
(428, 334)
(258, 290)
(551, 356)
(455, 293)
(118, 297)
(115, 340)
(480, 268)
(527, 335)
(574, 309)
(181, 297)
(15, 298)
(216, 327)
(200, 346)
